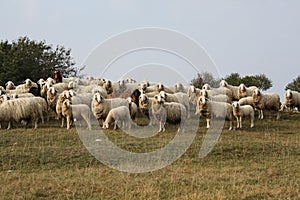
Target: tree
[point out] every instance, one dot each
(27, 58)
(205, 78)
(261, 81)
(233, 79)
(294, 85)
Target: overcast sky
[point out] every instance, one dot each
(245, 36)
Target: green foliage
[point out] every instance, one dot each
(261, 81)
(27, 58)
(205, 78)
(294, 85)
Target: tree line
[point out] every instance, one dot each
(26, 58)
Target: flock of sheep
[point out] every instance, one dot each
(121, 103)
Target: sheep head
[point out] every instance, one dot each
(223, 83)
(206, 86)
(236, 105)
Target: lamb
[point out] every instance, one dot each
(101, 106)
(291, 100)
(244, 91)
(209, 109)
(20, 109)
(193, 94)
(177, 97)
(52, 97)
(242, 111)
(172, 112)
(10, 85)
(145, 104)
(132, 108)
(233, 89)
(120, 115)
(72, 112)
(266, 101)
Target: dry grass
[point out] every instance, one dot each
(52, 163)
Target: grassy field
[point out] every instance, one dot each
(52, 163)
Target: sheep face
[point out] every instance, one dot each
(143, 100)
(204, 93)
(206, 87)
(236, 105)
(256, 96)
(98, 97)
(28, 82)
(10, 85)
(158, 99)
(223, 83)
(242, 87)
(160, 87)
(52, 90)
(202, 103)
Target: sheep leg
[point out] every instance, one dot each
(68, 122)
(9, 125)
(115, 126)
(240, 122)
(207, 123)
(62, 122)
(87, 120)
(252, 123)
(237, 122)
(36, 123)
(230, 125)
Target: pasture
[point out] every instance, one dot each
(52, 163)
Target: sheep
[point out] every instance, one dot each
(2, 90)
(23, 95)
(121, 116)
(246, 101)
(17, 91)
(132, 108)
(242, 111)
(291, 100)
(161, 87)
(72, 112)
(85, 98)
(20, 109)
(58, 108)
(10, 85)
(193, 94)
(209, 109)
(217, 91)
(172, 112)
(233, 89)
(214, 96)
(244, 91)
(57, 77)
(101, 106)
(178, 87)
(266, 101)
(27, 85)
(145, 104)
(60, 87)
(177, 97)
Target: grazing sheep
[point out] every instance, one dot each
(266, 101)
(234, 89)
(18, 110)
(172, 112)
(242, 111)
(10, 85)
(291, 100)
(101, 106)
(72, 112)
(121, 117)
(132, 108)
(244, 91)
(209, 109)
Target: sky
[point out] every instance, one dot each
(245, 36)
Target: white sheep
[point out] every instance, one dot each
(101, 106)
(145, 104)
(291, 100)
(59, 103)
(193, 94)
(172, 112)
(161, 87)
(27, 85)
(215, 96)
(178, 87)
(120, 115)
(75, 112)
(177, 97)
(211, 109)
(18, 110)
(10, 85)
(246, 101)
(243, 111)
(132, 108)
(85, 98)
(266, 101)
(244, 91)
(233, 89)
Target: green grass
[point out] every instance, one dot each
(52, 163)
